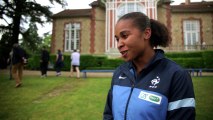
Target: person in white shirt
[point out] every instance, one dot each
(75, 63)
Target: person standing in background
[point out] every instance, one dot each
(18, 60)
(45, 57)
(75, 63)
(59, 62)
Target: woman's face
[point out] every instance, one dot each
(131, 41)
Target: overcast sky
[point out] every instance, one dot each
(81, 4)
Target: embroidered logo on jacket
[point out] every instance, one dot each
(121, 77)
(154, 82)
(150, 97)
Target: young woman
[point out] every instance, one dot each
(59, 62)
(75, 63)
(147, 86)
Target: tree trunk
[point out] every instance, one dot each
(16, 28)
(17, 20)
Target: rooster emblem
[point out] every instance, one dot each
(154, 82)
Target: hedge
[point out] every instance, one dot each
(33, 62)
(189, 62)
(208, 59)
(184, 54)
(86, 62)
(200, 59)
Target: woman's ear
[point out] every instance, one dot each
(147, 33)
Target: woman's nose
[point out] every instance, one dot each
(120, 44)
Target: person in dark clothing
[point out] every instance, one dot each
(59, 62)
(18, 61)
(45, 57)
(147, 86)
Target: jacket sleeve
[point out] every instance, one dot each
(181, 97)
(21, 52)
(107, 115)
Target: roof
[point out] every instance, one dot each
(197, 7)
(68, 13)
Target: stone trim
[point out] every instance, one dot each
(169, 21)
(53, 38)
(92, 31)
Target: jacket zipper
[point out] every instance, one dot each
(125, 114)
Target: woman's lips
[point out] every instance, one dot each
(124, 53)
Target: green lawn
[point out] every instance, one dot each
(63, 98)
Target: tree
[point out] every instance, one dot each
(5, 48)
(17, 13)
(23, 11)
(31, 41)
(47, 41)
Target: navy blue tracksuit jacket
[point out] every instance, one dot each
(162, 91)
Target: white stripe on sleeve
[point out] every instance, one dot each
(188, 102)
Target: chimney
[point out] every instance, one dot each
(187, 2)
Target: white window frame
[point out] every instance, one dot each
(72, 37)
(128, 7)
(191, 30)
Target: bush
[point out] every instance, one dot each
(33, 62)
(184, 54)
(186, 60)
(207, 59)
(200, 59)
(66, 63)
(88, 61)
(112, 63)
(189, 62)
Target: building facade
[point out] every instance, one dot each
(91, 31)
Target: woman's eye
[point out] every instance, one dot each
(117, 39)
(124, 36)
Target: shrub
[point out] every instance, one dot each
(88, 61)
(186, 60)
(207, 59)
(183, 54)
(189, 62)
(112, 63)
(33, 62)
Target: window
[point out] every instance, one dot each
(72, 36)
(130, 7)
(191, 34)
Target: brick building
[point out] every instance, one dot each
(91, 31)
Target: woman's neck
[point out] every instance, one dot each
(142, 61)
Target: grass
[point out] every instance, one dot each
(204, 98)
(63, 98)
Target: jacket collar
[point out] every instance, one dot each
(159, 54)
